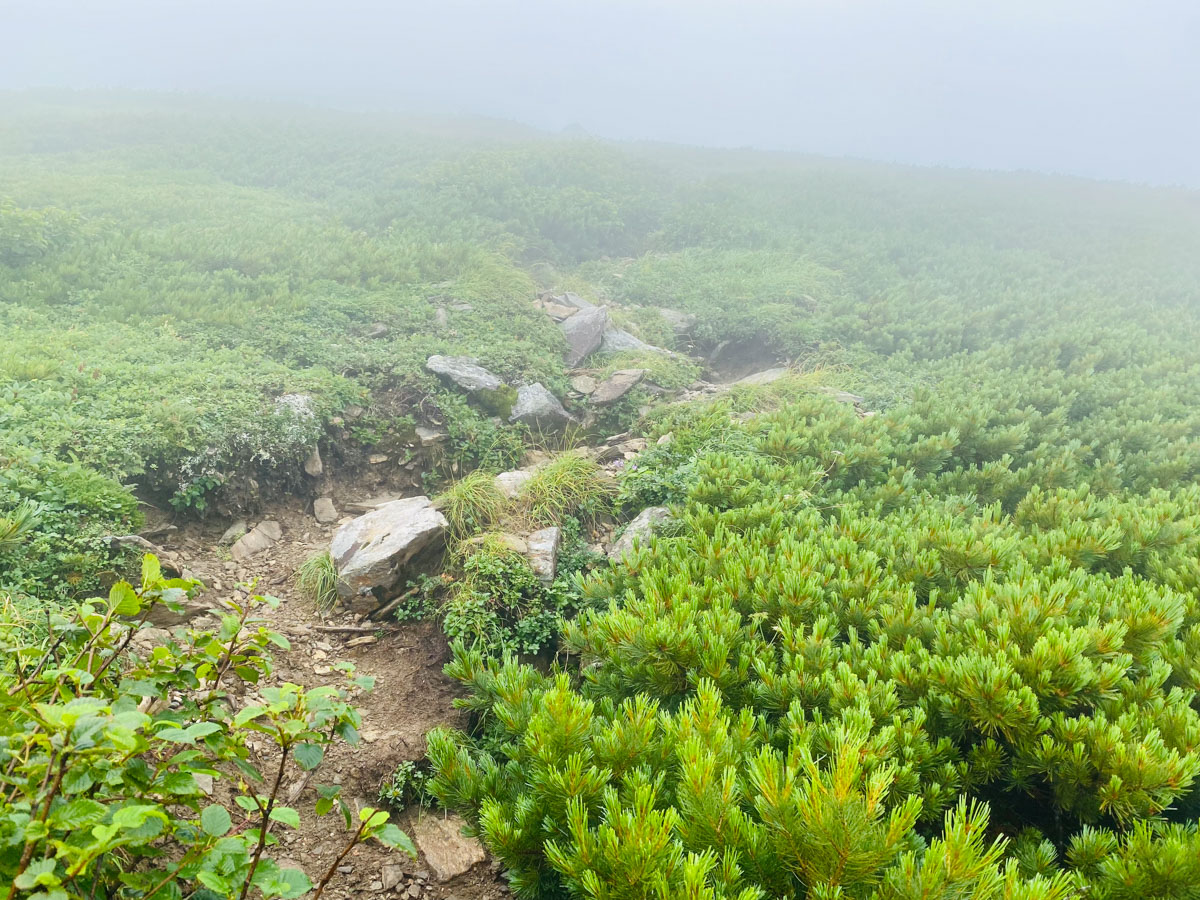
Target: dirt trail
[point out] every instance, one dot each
(410, 697)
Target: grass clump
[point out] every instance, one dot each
(471, 504)
(569, 485)
(317, 579)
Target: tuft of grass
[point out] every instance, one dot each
(317, 580)
(471, 504)
(570, 485)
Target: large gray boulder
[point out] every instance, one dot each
(538, 408)
(369, 551)
(616, 386)
(465, 372)
(639, 530)
(617, 340)
(584, 332)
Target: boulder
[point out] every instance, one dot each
(616, 386)
(584, 331)
(680, 322)
(446, 849)
(617, 340)
(766, 376)
(369, 551)
(640, 529)
(543, 552)
(324, 511)
(538, 408)
(585, 384)
(313, 467)
(429, 436)
(263, 536)
(233, 532)
(573, 300)
(510, 484)
(465, 372)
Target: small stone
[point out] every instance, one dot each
(376, 459)
(324, 511)
(362, 641)
(376, 886)
(390, 876)
(345, 870)
(377, 330)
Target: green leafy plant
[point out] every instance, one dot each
(407, 785)
(102, 743)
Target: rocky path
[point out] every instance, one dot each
(411, 696)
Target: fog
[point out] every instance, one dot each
(1101, 88)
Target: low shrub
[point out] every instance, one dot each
(102, 745)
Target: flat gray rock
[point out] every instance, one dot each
(369, 551)
(465, 372)
(584, 331)
(639, 530)
(617, 340)
(766, 376)
(263, 536)
(616, 386)
(538, 408)
(543, 552)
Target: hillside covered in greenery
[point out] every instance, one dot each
(943, 645)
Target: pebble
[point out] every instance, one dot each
(345, 870)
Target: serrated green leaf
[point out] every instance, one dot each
(391, 836)
(308, 756)
(215, 821)
(286, 815)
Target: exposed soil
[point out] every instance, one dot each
(410, 697)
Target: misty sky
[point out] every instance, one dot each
(1093, 87)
